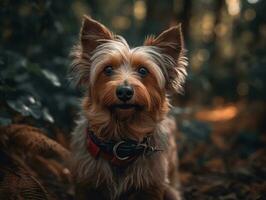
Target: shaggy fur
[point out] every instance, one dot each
(149, 177)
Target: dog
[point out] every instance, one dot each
(124, 143)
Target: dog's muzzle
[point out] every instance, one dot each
(124, 92)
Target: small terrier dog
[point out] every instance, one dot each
(124, 143)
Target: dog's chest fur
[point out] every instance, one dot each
(142, 173)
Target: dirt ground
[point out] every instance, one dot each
(222, 156)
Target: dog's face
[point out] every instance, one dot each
(126, 82)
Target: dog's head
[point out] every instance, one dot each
(127, 83)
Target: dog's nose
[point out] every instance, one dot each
(124, 92)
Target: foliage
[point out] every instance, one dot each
(35, 43)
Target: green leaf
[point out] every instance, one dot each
(51, 77)
(47, 116)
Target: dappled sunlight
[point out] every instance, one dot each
(217, 114)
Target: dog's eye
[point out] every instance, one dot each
(143, 71)
(108, 70)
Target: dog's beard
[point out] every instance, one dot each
(121, 114)
(110, 123)
(126, 110)
(133, 123)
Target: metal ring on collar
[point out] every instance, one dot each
(115, 151)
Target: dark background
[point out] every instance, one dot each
(221, 115)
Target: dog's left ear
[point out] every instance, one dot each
(170, 43)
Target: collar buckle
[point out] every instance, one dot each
(115, 148)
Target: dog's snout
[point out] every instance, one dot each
(124, 92)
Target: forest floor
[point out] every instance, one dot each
(222, 155)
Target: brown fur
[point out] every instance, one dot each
(149, 177)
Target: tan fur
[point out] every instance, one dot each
(157, 170)
(149, 177)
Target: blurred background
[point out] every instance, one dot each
(221, 116)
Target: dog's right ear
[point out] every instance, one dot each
(92, 34)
